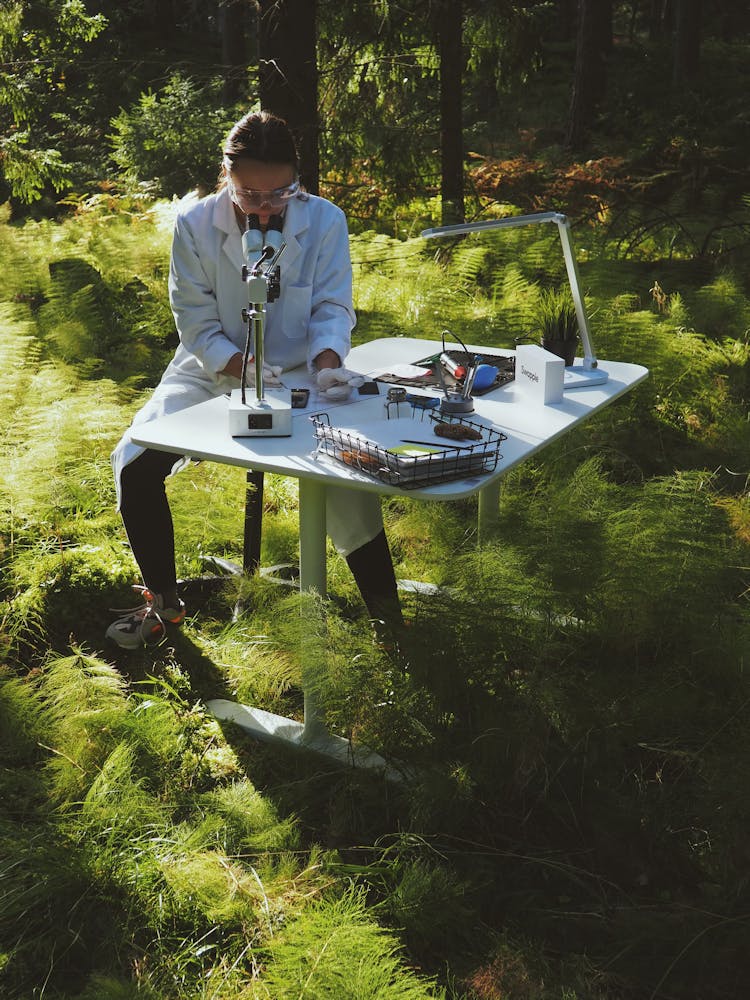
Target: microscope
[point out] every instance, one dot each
(260, 411)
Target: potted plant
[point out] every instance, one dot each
(558, 323)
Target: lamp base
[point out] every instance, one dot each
(579, 377)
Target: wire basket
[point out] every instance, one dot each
(411, 463)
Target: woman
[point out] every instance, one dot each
(310, 324)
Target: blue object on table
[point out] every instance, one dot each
(485, 376)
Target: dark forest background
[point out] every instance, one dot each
(389, 101)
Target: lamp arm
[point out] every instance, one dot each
(571, 266)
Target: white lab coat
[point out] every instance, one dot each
(314, 312)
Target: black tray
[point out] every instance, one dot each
(506, 368)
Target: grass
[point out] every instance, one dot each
(573, 711)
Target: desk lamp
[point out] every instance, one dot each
(589, 372)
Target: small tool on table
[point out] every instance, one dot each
(457, 400)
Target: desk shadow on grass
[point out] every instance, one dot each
(524, 797)
(446, 728)
(200, 679)
(177, 649)
(449, 848)
(520, 814)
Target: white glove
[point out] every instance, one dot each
(336, 384)
(270, 374)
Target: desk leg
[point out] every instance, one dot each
(489, 502)
(312, 536)
(312, 577)
(253, 529)
(312, 734)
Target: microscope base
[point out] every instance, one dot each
(270, 416)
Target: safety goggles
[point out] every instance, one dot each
(250, 198)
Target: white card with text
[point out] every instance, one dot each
(539, 374)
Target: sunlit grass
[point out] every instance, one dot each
(569, 706)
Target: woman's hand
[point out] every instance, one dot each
(334, 382)
(327, 359)
(337, 383)
(234, 368)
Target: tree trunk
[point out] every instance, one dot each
(566, 20)
(660, 19)
(590, 74)
(450, 47)
(603, 27)
(734, 19)
(288, 71)
(233, 49)
(687, 41)
(162, 16)
(655, 19)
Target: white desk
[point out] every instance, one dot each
(201, 432)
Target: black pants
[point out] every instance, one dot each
(148, 523)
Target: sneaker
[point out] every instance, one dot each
(144, 624)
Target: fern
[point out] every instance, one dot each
(207, 887)
(118, 822)
(250, 822)
(333, 950)
(429, 902)
(104, 987)
(153, 872)
(85, 698)
(676, 516)
(258, 670)
(20, 355)
(397, 288)
(51, 924)
(582, 668)
(515, 300)
(468, 263)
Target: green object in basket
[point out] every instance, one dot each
(413, 450)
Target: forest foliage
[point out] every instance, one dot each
(570, 709)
